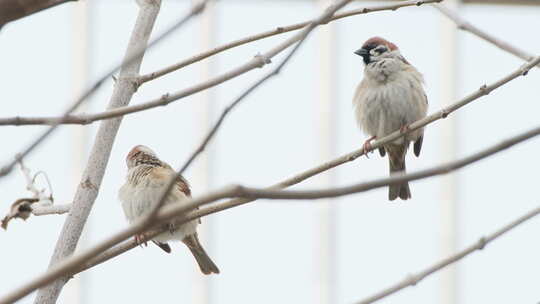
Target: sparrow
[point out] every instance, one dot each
(146, 179)
(389, 98)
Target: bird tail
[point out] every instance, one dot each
(204, 261)
(396, 157)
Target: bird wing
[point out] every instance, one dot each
(182, 184)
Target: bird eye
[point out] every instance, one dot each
(380, 49)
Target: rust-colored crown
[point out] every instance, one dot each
(373, 42)
(141, 154)
(139, 148)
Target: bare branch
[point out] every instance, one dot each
(412, 280)
(11, 10)
(195, 10)
(277, 31)
(257, 62)
(463, 24)
(22, 208)
(88, 189)
(31, 185)
(394, 179)
(39, 210)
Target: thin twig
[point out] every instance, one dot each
(277, 31)
(463, 24)
(412, 280)
(55, 122)
(31, 185)
(257, 62)
(24, 207)
(39, 210)
(394, 179)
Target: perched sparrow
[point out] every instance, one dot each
(146, 179)
(389, 98)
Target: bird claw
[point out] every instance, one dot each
(171, 228)
(367, 146)
(140, 239)
(404, 129)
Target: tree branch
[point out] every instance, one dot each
(257, 62)
(23, 207)
(39, 210)
(11, 10)
(88, 189)
(463, 24)
(277, 31)
(414, 279)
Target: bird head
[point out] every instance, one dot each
(138, 154)
(376, 48)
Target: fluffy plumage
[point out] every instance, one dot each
(147, 177)
(389, 98)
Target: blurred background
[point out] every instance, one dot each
(325, 251)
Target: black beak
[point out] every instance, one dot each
(361, 52)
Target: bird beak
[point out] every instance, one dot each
(361, 52)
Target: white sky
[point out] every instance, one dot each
(270, 251)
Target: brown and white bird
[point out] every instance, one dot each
(389, 98)
(146, 180)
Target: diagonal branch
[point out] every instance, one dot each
(277, 31)
(414, 279)
(463, 24)
(164, 100)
